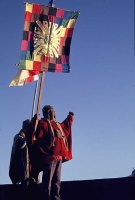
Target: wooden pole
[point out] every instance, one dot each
(41, 83)
(40, 96)
(35, 95)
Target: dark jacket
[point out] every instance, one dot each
(18, 161)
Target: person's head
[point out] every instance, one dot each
(48, 112)
(25, 124)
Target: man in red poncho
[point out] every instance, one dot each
(52, 146)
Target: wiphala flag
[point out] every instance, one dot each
(47, 38)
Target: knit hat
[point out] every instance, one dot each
(45, 110)
(25, 123)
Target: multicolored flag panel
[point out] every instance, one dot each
(47, 38)
(23, 77)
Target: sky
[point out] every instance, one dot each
(100, 89)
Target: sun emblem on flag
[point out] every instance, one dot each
(47, 39)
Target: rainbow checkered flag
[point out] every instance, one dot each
(47, 38)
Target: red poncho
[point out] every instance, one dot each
(53, 141)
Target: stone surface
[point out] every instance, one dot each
(98, 189)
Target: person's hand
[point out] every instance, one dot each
(22, 135)
(36, 116)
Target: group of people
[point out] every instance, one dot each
(43, 149)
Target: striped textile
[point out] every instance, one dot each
(47, 38)
(23, 77)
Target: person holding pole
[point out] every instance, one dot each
(52, 146)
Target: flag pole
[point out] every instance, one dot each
(28, 175)
(39, 98)
(51, 4)
(35, 95)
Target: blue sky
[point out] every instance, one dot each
(100, 89)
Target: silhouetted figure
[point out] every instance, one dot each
(18, 170)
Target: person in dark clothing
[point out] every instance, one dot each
(18, 167)
(52, 147)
